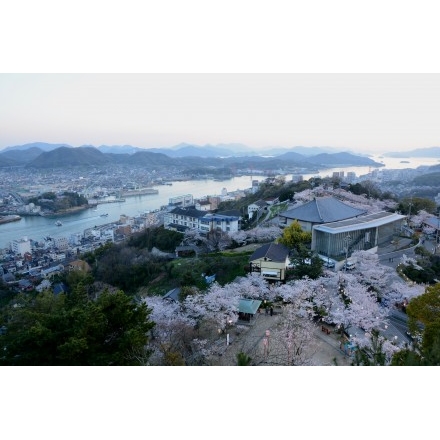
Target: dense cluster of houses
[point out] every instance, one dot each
(337, 230)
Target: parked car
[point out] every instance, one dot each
(349, 265)
(326, 262)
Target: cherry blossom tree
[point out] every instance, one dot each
(223, 240)
(192, 237)
(428, 230)
(293, 341)
(374, 349)
(263, 234)
(175, 340)
(305, 196)
(217, 241)
(240, 237)
(400, 292)
(176, 335)
(338, 299)
(348, 303)
(407, 261)
(420, 218)
(218, 305)
(371, 272)
(298, 292)
(254, 286)
(370, 205)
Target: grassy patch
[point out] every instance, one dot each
(188, 271)
(275, 210)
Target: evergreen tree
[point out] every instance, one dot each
(48, 329)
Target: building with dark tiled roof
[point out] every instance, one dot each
(181, 219)
(339, 229)
(271, 261)
(318, 211)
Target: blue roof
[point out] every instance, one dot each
(59, 288)
(173, 294)
(434, 222)
(248, 305)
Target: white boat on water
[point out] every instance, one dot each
(58, 223)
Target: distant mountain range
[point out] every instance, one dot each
(418, 152)
(45, 155)
(184, 149)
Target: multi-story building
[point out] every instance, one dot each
(203, 205)
(337, 240)
(61, 243)
(181, 219)
(21, 246)
(351, 177)
(181, 201)
(218, 223)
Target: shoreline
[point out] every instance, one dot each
(67, 211)
(9, 218)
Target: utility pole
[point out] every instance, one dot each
(346, 239)
(436, 236)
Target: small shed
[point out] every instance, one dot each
(247, 308)
(173, 294)
(185, 251)
(59, 288)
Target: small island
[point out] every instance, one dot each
(64, 203)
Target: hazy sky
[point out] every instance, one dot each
(357, 112)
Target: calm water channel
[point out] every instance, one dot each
(37, 227)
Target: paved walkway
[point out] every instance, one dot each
(250, 341)
(326, 351)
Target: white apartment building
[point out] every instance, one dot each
(61, 243)
(21, 246)
(203, 205)
(219, 223)
(182, 201)
(181, 219)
